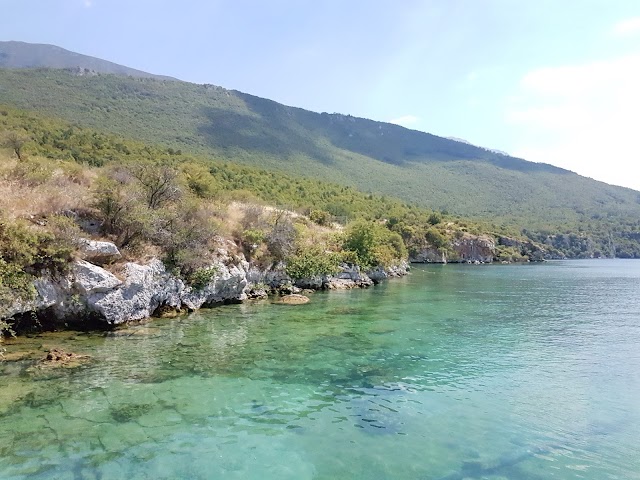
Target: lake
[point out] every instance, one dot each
(455, 371)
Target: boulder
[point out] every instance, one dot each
(98, 252)
(229, 284)
(90, 279)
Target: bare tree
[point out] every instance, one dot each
(159, 183)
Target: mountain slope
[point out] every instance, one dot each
(33, 55)
(373, 156)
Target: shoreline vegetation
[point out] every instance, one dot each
(97, 230)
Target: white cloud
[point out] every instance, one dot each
(405, 120)
(88, 3)
(630, 26)
(584, 118)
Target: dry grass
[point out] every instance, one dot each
(22, 197)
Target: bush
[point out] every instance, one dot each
(320, 217)
(184, 234)
(33, 171)
(312, 262)
(15, 284)
(33, 251)
(199, 179)
(122, 213)
(159, 183)
(435, 238)
(201, 277)
(374, 244)
(281, 239)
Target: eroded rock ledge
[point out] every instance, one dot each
(92, 294)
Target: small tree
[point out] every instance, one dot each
(159, 183)
(15, 141)
(281, 240)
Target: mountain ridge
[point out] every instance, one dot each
(16, 54)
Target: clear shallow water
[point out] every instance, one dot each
(493, 372)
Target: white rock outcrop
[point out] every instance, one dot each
(91, 291)
(98, 252)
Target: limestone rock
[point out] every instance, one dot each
(293, 299)
(473, 248)
(145, 288)
(229, 284)
(428, 254)
(99, 252)
(90, 279)
(462, 249)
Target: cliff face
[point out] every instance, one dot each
(462, 249)
(473, 248)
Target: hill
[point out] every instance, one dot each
(417, 167)
(33, 55)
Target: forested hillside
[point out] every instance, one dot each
(545, 202)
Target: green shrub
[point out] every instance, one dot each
(184, 234)
(199, 179)
(15, 284)
(374, 244)
(33, 251)
(253, 236)
(123, 215)
(201, 277)
(312, 262)
(320, 217)
(435, 238)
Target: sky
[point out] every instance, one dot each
(549, 81)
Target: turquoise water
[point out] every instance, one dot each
(491, 371)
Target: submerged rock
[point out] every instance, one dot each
(293, 299)
(60, 358)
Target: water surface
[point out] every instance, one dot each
(491, 371)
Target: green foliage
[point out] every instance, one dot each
(253, 237)
(199, 179)
(201, 277)
(124, 216)
(24, 254)
(435, 238)
(15, 141)
(605, 217)
(15, 284)
(33, 251)
(434, 218)
(320, 217)
(183, 234)
(374, 244)
(508, 254)
(311, 262)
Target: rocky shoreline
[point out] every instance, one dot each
(92, 297)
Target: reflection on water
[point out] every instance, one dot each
(524, 372)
